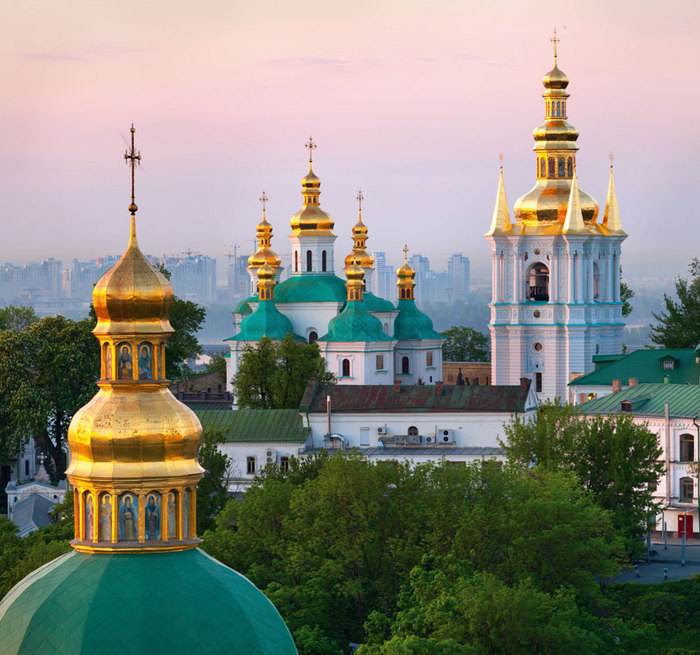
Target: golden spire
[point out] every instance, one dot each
(574, 217)
(133, 447)
(355, 283)
(359, 254)
(406, 278)
(311, 220)
(611, 218)
(500, 222)
(264, 254)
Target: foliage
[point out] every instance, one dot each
(217, 365)
(186, 318)
(17, 317)
(465, 344)
(211, 489)
(614, 458)
(274, 374)
(679, 324)
(333, 542)
(626, 295)
(47, 372)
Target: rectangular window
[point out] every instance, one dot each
(538, 382)
(686, 491)
(491, 465)
(668, 365)
(284, 464)
(26, 467)
(429, 359)
(380, 362)
(364, 436)
(250, 465)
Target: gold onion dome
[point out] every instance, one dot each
(405, 278)
(355, 283)
(555, 146)
(359, 254)
(311, 220)
(264, 255)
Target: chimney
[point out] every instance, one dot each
(633, 382)
(397, 386)
(524, 382)
(438, 388)
(616, 386)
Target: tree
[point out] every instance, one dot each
(465, 344)
(626, 295)
(211, 489)
(274, 374)
(17, 317)
(679, 325)
(47, 372)
(613, 457)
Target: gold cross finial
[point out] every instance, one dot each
(263, 199)
(132, 157)
(360, 198)
(405, 253)
(555, 42)
(311, 146)
(612, 159)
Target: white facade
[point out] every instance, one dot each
(360, 362)
(418, 361)
(249, 459)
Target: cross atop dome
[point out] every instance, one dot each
(263, 199)
(311, 147)
(132, 157)
(555, 42)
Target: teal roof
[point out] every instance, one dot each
(265, 321)
(256, 425)
(311, 287)
(355, 323)
(645, 366)
(377, 304)
(155, 604)
(649, 400)
(243, 307)
(411, 323)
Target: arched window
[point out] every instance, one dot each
(296, 261)
(558, 108)
(596, 282)
(323, 260)
(538, 283)
(309, 267)
(346, 368)
(405, 365)
(543, 167)
(550, 163)
(313, 336)
(687, 448)
(108, 362)
(686, 490)
(560, 163)
(569, 167)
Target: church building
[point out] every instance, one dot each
(555, 268)
(364, 339)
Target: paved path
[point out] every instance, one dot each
(669, 559)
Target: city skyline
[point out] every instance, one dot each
(411, 106)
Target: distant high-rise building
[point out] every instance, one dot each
(458, 277)
(238, 277)
(384, 283)
(30, 282)
(193, 277)
(84, 276)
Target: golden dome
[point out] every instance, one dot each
(355, 284)
(311, 219)
(264, 255)
(555, 79)
(406, 278)
(359, 254)
(548, 200)
(132, 296)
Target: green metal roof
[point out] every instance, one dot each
(355, 323)
(155, 604)
(649, 400)
(243, 307)
(645, 366)
(256, 425)
(411, 323)
(265, 321)
(377, 304)
(311, 287)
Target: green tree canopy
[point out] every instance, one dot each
(613, 457)
(48, 371)
(211, 489)
(274, 374)
(465, 344)
(679, 324)
(17, 317)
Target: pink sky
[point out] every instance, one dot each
(411, 101)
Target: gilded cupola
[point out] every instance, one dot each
(133, 447)
(311, 220)
(359, 254)
(555, 147)
(355, 283)
(406, 278)
(264, 254)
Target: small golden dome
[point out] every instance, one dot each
(132, 297)
(359, 254)
(555, 79)
(266, 273)
(264, 255)
(311, 219)
(548, 200)
(355, 283)
(406, 275)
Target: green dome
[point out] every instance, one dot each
(243, 307)
(376, 304)
(355, 323)
(311, 287)
(156, 604)
(411, 323)
(265, 321)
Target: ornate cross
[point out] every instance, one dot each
(132, 157)
(555, 42)
(263, 200)
(311, 146)
(360, 198)
(405, 252)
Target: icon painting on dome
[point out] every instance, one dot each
(172, 516)
(108, 362)
(145, 361)
(126, 365)
(128, 517)
(106, 518)
(153, 517)
(89, 518)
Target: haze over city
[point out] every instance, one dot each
(410, 102)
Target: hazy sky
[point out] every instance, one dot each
(411, 101)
